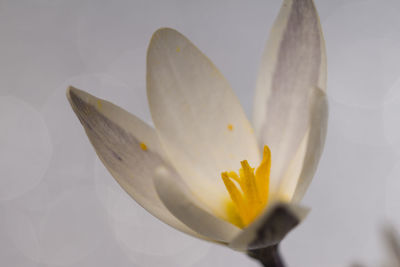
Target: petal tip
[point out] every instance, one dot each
(73, 94)
(69, 92)
(165, 30)
(161, 33)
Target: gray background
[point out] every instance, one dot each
(60, 207)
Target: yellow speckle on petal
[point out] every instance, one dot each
(249, 191)
(143, 146)
(99, 104)
(178, 49)
(230, 127)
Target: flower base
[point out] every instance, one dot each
(268, 256)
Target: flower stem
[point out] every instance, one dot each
(268, 257)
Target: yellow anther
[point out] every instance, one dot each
(234, 176)
(230, 127)
(178, 49)
(262, 173)
(249, 183)
(236, 197)
(252, 197)
(143, 146)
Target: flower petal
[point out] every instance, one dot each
(181, 202)
(314, 145)
(128, 147)
(270, 228)
(293, 64)
(301, 169)
(199, 119)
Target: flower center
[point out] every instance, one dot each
(248, 191)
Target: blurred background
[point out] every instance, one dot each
(60, 207)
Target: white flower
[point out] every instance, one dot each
(201, 133)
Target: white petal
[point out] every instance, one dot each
(301, 169)
(198, 117)
(181, 202)
(314, 145)
(271, 227)
(118, 137)
(293, 64)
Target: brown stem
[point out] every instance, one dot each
(268, 257)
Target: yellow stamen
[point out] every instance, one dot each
(234, 176)
(252, 197)
(233, 216)
(263, 171)
(230, 127)
(236, 196)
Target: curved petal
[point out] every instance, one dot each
(180, 202)
(199, 119)
(314, 145)
(298, 176)
(300, 171)
(129, 149)
(270, 228)
(293, 64)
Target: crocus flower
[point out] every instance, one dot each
(203, 169)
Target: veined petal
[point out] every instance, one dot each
(199, 119)
(270, 228)
(181, 202)
(293, 64)
(129, 149)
